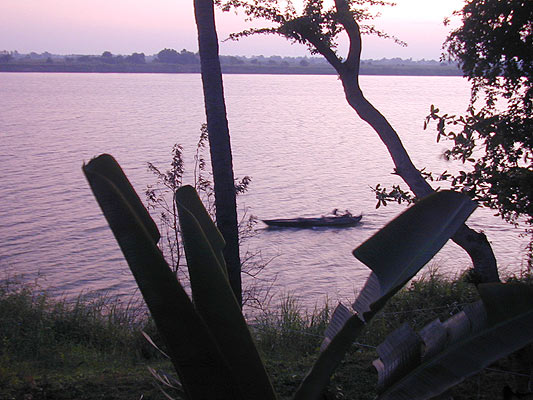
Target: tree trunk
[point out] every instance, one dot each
(474, 243)
(219, 140)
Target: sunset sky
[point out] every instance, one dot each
(126, 26)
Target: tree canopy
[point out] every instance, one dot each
(494, 139)
(171, 56)
(136, 58)
(316, 26)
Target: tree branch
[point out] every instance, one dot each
(325, 51)
(354, 35)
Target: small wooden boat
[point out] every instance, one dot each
(331, 221)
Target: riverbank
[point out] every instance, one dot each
(93, 348)
(273, 69)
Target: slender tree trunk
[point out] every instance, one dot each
(474, 243)
(219, 140)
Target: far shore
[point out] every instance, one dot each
(319, 69)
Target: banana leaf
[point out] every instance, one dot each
(501, 323)
(107, 166)
(399, 352)
(394, 254)
(188, 198)
(317, 378)
(215, 302)
(202, 370)
(398, 251)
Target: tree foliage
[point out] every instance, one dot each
(316, 26)
(136, 58)
(171, 56)
(5, 57)
(494, 47)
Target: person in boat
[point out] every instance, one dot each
(336, 213)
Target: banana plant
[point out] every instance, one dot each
(207, 337)
(394, 255)
(425, 364)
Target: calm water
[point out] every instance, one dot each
(304, 148)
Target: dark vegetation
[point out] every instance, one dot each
(493, 138)
(172, 61)
(92, 348)
(210, 344)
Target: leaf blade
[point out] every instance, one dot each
(188, 198)
(475, 350)
(200, 366)
(408, 242)
(216, 303)
(107, 166)
(452, 209)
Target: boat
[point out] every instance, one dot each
(324, 221)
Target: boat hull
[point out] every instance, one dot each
(343, 221)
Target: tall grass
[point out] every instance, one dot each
(35, 327)
(290, 331)
(91, 345)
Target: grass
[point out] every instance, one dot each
(92, 348)
(58, 349)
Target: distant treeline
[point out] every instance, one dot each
(172, 61)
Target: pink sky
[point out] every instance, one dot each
(126, 26)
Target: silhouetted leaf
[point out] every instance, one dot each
(395, 254)
(200, 366)
(107, 166)
(215, 301)
(399, 250)
(484, 332)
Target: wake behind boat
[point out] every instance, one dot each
(334, 220)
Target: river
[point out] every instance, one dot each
(304, 148)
